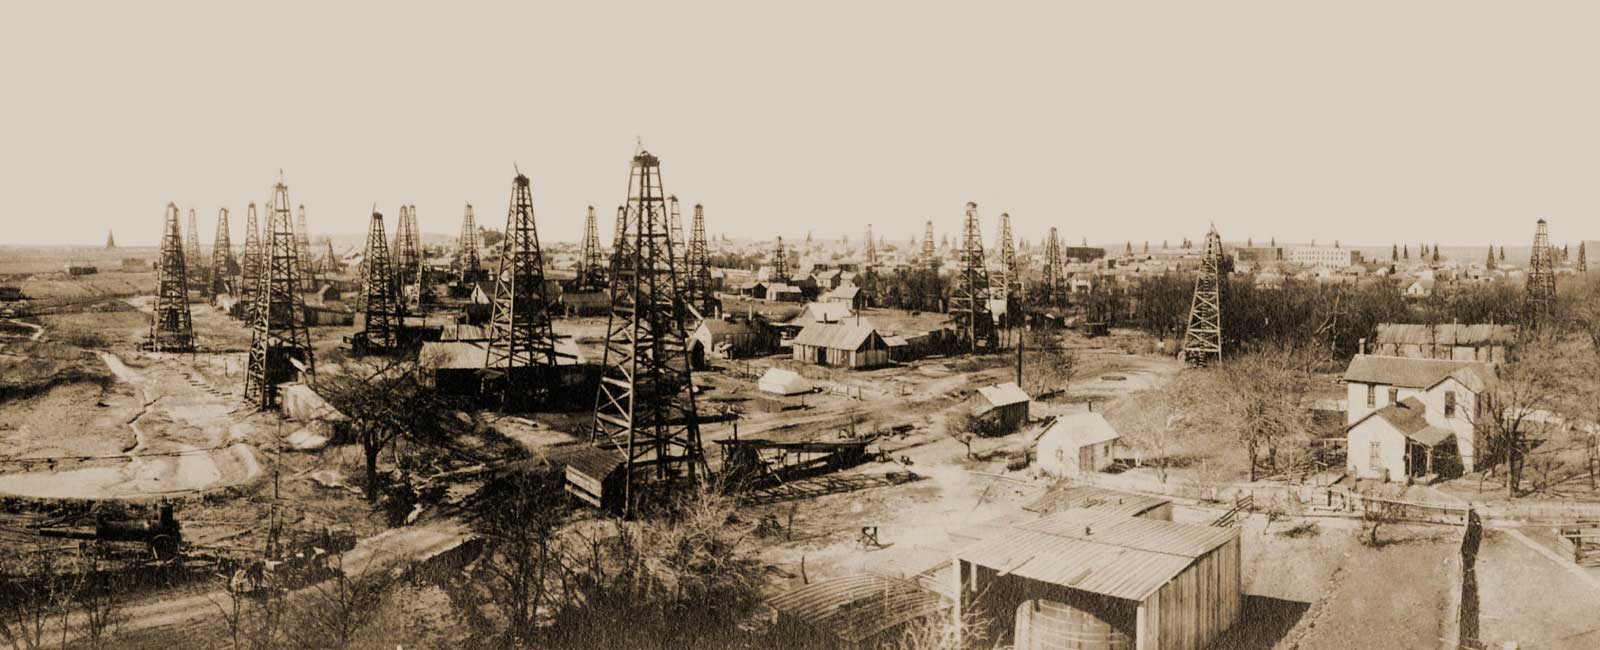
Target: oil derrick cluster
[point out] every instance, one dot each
(223, 266)
(381, 317)
(468, 265)
(969, 302)
(591, 263)
(521, 362)
(698, 291)
(172, 330)
(1202, 342)
(407, 257)
(645, 407)
(279, 339)
(1541, 287)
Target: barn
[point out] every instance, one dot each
(1076, 443)
(846, 345)
(1084, 578)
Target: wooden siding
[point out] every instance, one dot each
(1196, 607)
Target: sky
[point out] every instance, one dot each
(1456, 122)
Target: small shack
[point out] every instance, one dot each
(1003, 404)
(845, 345)
(735, 339)
(1077, 443)
(779, 381)
(1090, 579)
(595, 476)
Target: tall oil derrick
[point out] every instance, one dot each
(680, 248)
(1009, 283)
(928, 252)
(521, 362)
(111, 241)
(468, 265)
(927, 285)
(404, 249)
(191, 253)
(645, 406)
(381, 320)
(223, 265)
(250, 268)
(280, 333)
(1055, 276)
(871, 250)
(424, 275)
(171, 330)
(698, 291)
(1541, 288)
(1202, 343)
(330, 260)
(969, 302)
(780, 262)
(302, 251)
(591, 264)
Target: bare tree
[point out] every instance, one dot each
(333, 611)
(521, 517)
(1259, 397)
(100, 599)
(38, 600)
(387, 399)
(1150, 429)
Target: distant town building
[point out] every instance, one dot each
(1324, 256)
(1258, 254)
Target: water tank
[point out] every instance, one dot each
(1050, 625)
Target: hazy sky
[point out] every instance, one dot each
(1457, 122)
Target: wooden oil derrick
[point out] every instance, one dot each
(1541, 287)
(250, 267)
(645, 406)
(928, 253)
(191, 254)
(381, 319)
(680, 248)
(469, 267)
(521, 363)
(698, 291)
(172, 330)
(224, 268)
(302, 251)
(330, 260)
(870, 252)
(404, 250)
(780, 262)
(1006, 284)
(969, 303)
(111, 241)
(280, 338)
(1202, 343)
(1054, 286)
(591, 263)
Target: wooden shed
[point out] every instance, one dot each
(1005, 403)
(1077, 443)
(845, 344)
(1084, 578)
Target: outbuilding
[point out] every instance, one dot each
(1005, 404)
(1092, 579)
(847, 345)
(779, 381)
(1077, 443)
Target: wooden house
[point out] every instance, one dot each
(1005, 404)
(846, 345)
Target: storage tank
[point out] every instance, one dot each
(1051, 625)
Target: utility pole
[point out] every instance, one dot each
(171, 330)
(280, 337)
(645, 407)
(521, 363)
(1202, 343)
(969, 304)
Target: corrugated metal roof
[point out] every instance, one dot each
(858, 607)
(1094, 498)
(1099, 552)
(835, 336)
(1411, 373)
(1080, 429)
(1446, 334)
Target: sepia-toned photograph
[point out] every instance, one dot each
(1233, 325)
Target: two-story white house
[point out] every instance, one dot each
(1412, 417)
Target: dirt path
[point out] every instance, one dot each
(180, 430)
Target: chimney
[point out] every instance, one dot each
(1361, 346)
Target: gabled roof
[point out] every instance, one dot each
(835, 336)
(1003, 394)
(1408, 417)
(845, 291)
(1080, 429)
(825, 312)
(1414, 373)
(1099, 552)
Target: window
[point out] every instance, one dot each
(1375, 458)
(1394, 396)
(1449, 403)
(1372, 396)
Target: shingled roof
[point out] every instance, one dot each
(1408, 417)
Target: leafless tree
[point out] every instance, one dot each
(99, 598)
(387, 399)
(1150, 429)
(1260, 397)
(333, 611)
(38, 601)
(521, 517)
(1513, 414)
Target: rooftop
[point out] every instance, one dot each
(1415, 373)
